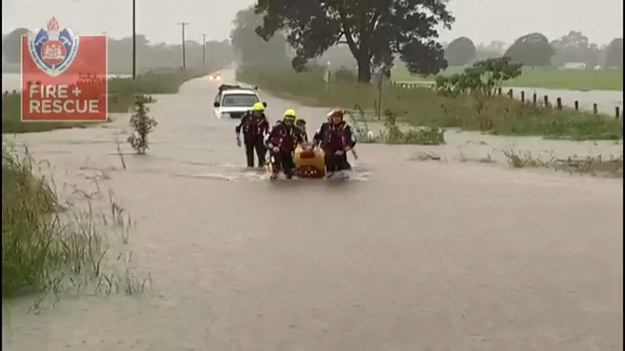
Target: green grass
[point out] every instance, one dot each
(423, 107)
(48, 247)
(123, 93)
(38, 250)
(551, 78)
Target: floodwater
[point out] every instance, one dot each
(411, 256)
(606, 100)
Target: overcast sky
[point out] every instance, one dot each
(480, 20)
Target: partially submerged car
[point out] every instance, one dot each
(234, 101)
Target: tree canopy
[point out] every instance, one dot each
(460, 52)
(252, 49)
(575, 47)
(614, 53)
(374, 30)
(11, 45)
(531, 50)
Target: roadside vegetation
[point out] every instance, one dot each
(142, 125)
(468, 100)
(48, 246)
(592, 165)
(123, 93)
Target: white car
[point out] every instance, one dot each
(234, 101)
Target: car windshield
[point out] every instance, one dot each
(239, 100)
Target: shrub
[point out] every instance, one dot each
(143, 125)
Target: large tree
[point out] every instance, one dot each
(614, 53)
(374, 30)
(252, 49)
(11, 45)
(531, 50)
(575, 47)
(460, 52)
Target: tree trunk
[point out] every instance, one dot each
(364, 69)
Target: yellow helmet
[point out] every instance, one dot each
(289, 114)
(258, 107)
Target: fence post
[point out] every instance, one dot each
(546, 98)
(576, 105)
(559, 103)
(618, 112)
(535, 98)
(510, 93)
(595, 110)
(522, 96)
(499, 91)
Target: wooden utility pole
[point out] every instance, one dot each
(184, 58)
(203, 50)
(134, 42)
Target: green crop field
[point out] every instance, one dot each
(551, 78)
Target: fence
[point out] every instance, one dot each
(522, 96)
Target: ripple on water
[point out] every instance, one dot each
(257, 176)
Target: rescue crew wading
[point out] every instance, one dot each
(281, 142)
(336, 139)
(255, 126)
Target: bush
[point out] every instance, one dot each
(346, 75)
(485, 76)
(142, 124)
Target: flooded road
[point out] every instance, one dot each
(415, 256)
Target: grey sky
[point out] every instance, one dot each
(481, 20)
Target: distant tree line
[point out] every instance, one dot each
(149, 55)
(535, 50)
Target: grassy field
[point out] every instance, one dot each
(122, 95)
(423, 107)
(550, 78)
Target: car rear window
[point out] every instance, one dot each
(239, 100)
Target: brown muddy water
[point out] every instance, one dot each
(409, 256)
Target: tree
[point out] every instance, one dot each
(574, 47)
(485, 76)
(614, 53)
(11, 45)
(142, 124)
(492, 50)
(374, 30)
(252, 49)
(460, 52)
(531, 50)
